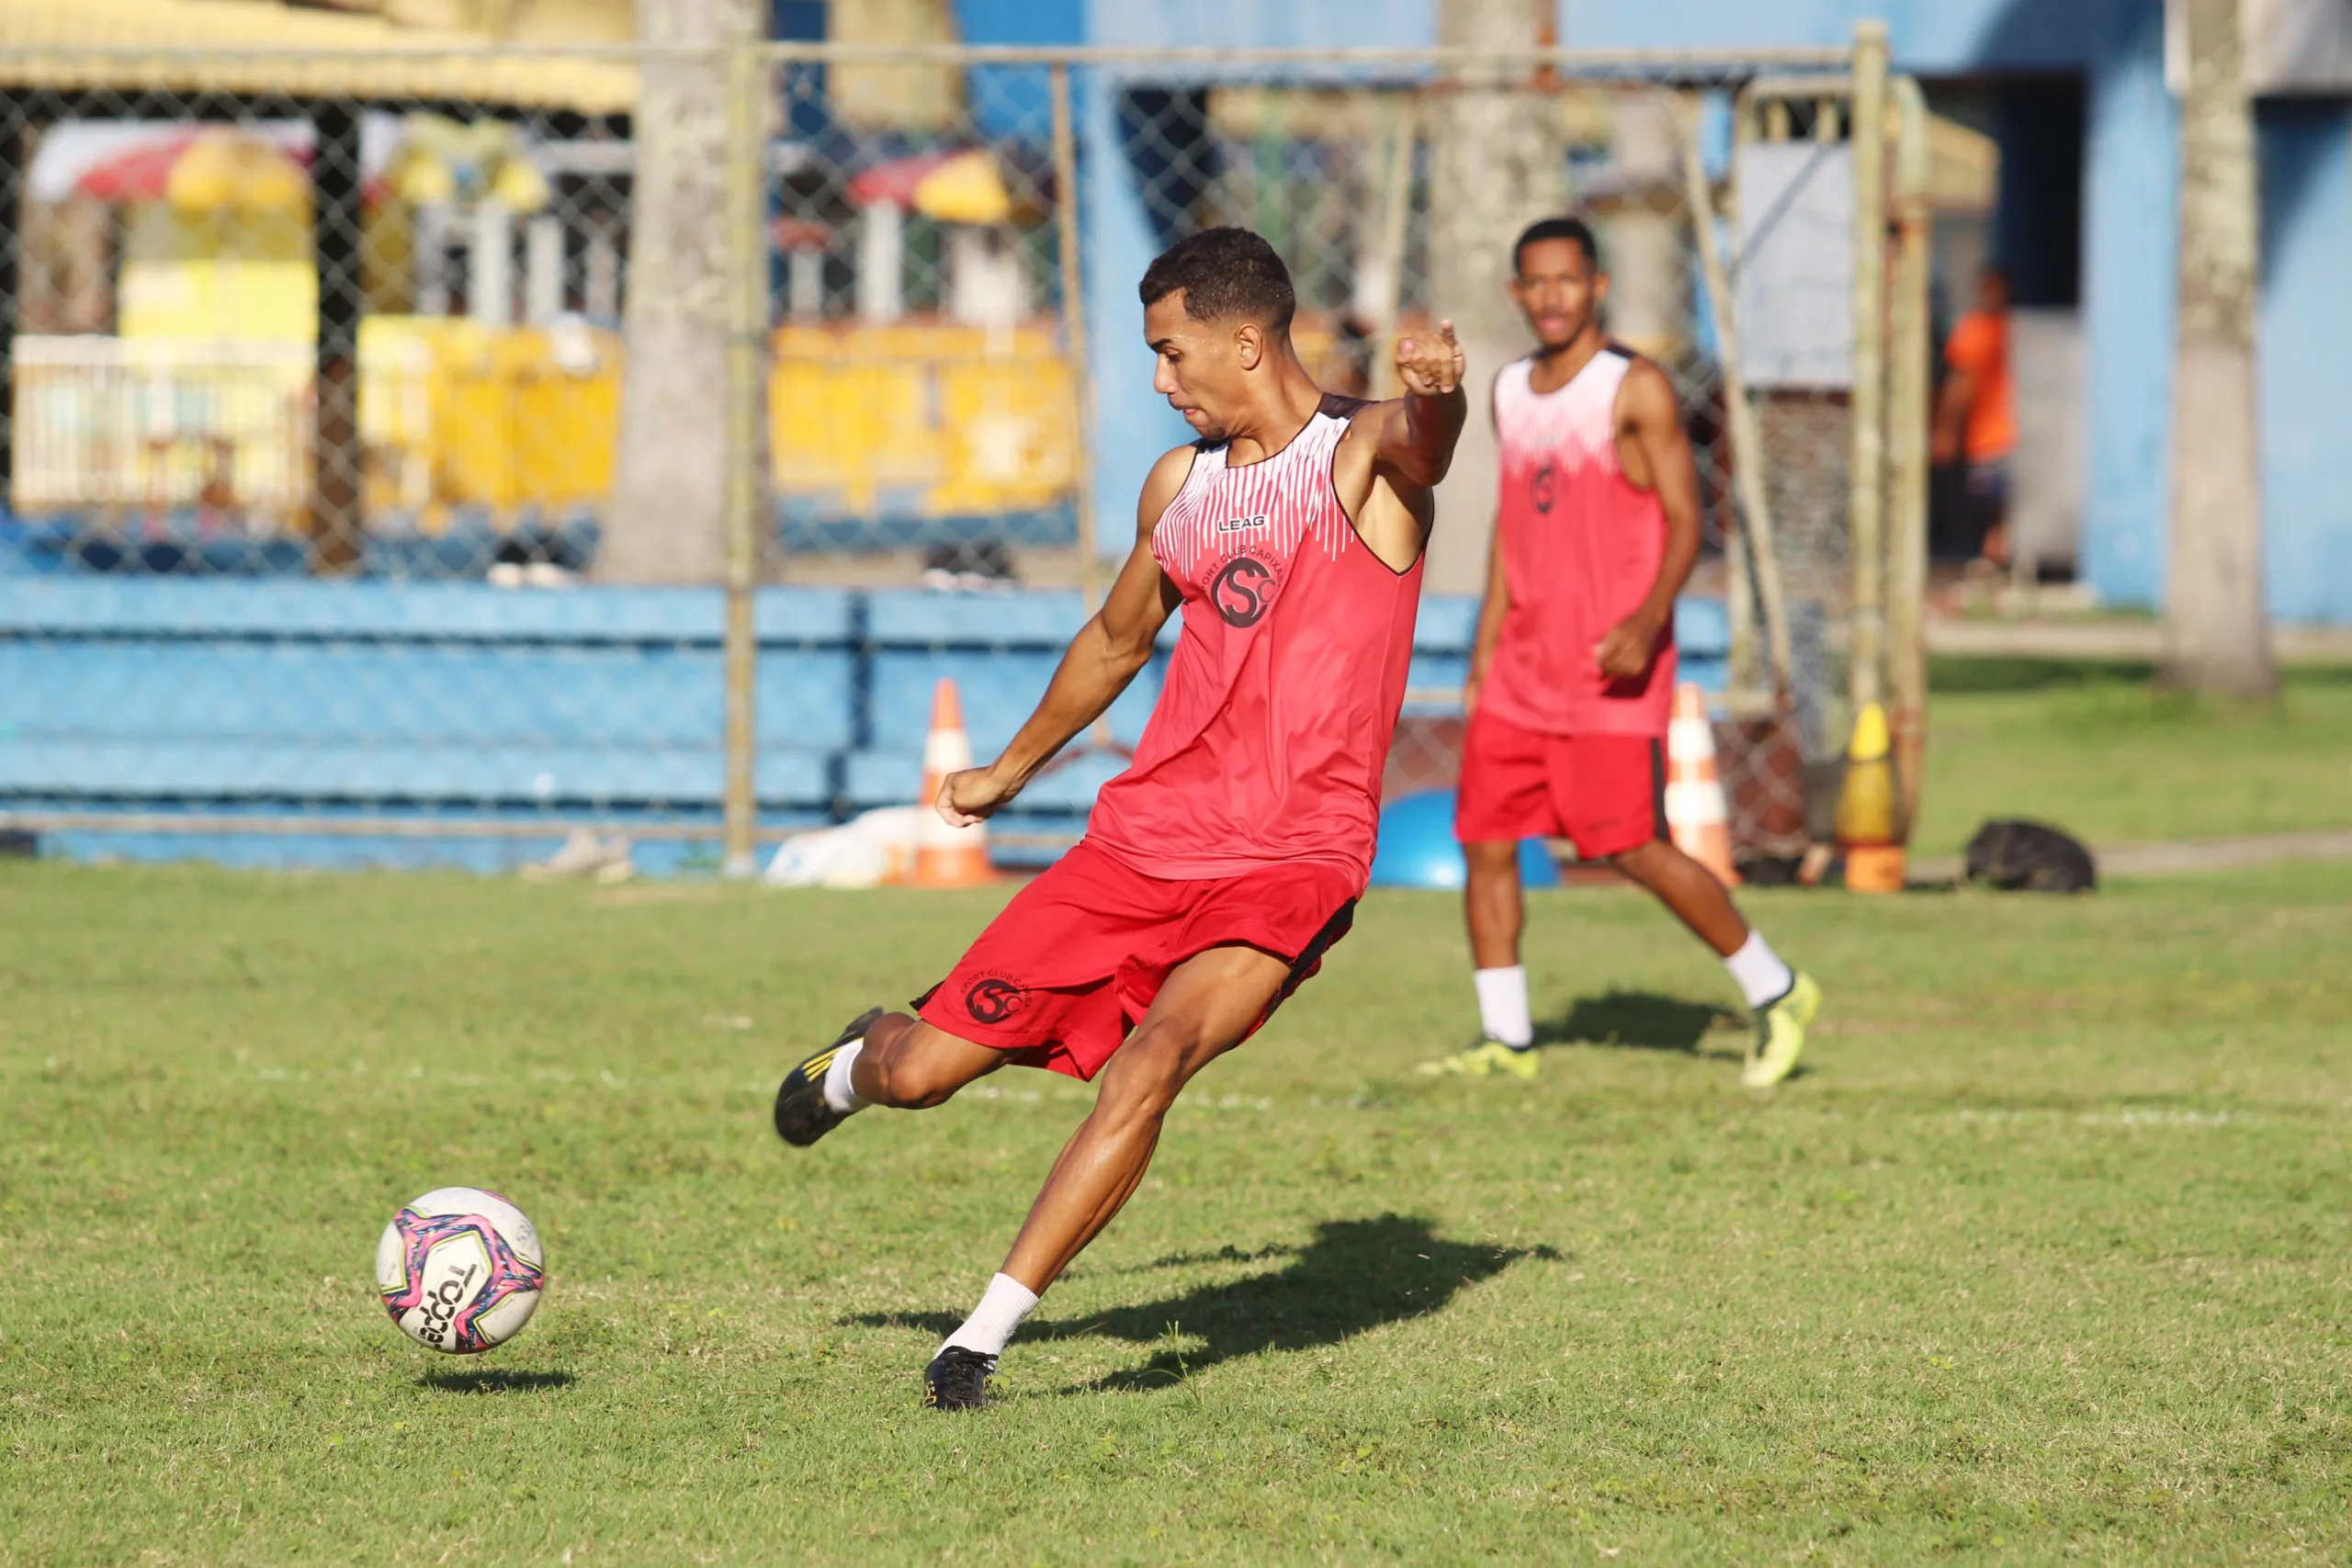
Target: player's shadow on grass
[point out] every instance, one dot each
(1354, 1276)
(1642, 1020)
(494, 1380)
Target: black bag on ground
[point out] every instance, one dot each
(2031, 858)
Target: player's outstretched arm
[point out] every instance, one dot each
(1109, 650)
(1651, 414)
(1419, 431)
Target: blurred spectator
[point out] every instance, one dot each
(1976, 422)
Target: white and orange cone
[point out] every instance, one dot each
(1697, 817)
(945, 856)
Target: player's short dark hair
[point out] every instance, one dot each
(1574, 229)
(1226, 275)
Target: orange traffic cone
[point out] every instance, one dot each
(1696, 816)
(945, 856)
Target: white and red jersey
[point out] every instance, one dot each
(1272, 731)
(1581, 545)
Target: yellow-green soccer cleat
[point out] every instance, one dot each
(1779, 1033)
(1483, 1060)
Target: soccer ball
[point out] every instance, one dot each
(461, 1270)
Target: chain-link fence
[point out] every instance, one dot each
(327, 375)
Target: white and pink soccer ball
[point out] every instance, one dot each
(461, 1270)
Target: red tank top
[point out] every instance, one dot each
(1270, 733)
(1581, 546)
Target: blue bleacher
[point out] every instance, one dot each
(229, 695)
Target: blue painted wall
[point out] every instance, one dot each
(1933, 37)
(1013, 100)
(2128, 174)
(2306, 342)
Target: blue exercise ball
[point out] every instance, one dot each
(1418, 847)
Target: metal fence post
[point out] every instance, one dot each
(20, 138)
(1867, 469)
(1066, 234)
(1907, 416)
(1398, 149)
(338, 246)
(1747, 440)
(746, 253)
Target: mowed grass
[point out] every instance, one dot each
(2043, 1257)
(2101, 750)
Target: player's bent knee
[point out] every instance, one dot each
(1150, 1069)
(913, 1077)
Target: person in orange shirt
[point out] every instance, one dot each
(1975, 419)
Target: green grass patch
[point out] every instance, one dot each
(2041, 1257)
(2102, 751)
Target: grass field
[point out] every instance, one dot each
(2097, 750)
(2042, 1258)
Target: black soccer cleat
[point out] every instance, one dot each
(801, 1114)
(957, 1379)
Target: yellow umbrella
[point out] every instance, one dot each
(224, 170)
(446, 160)
(520, 185)
(967, 188)
(423, 181)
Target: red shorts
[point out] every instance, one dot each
(1067, 970)
(1606, 794)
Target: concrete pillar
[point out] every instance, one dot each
(804, 282)
(600, 287)
(984, 283)
(543, 269)
(1649, 294)
(432, 280)
(881, 264)
(490, 292)
(1497, 162)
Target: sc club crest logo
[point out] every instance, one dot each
(1544, 488)
(1243, 591)
(992, 999)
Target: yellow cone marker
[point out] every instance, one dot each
(1868, 829)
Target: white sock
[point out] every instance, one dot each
(1502, 1005)
(840, 1097)
(991, 1327)
(1762, 977)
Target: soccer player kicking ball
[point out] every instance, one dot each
(1221, 866)
(1572, 676)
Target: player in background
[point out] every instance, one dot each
(1572, 676)
(1221, 866)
